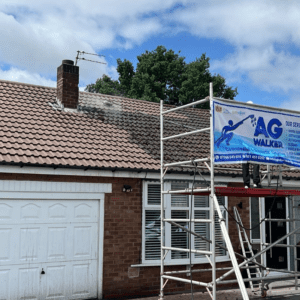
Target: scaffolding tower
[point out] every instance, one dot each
(214, 208)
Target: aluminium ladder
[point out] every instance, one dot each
(244, 240)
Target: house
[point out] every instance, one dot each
(80, 193)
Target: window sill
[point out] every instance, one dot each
(156, 264)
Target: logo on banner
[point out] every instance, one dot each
(272, 130)
(227, 131)
(218, 108)
(264, 136)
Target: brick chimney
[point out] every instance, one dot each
(67, 84)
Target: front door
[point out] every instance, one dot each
(276, 256)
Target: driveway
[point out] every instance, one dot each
(278, 290)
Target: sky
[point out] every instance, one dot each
(254, 45)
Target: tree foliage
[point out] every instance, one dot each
(163, 74)
(126, 73)
(158, 76)
(107, 86)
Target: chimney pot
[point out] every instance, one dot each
(68, 62)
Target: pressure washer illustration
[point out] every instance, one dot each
(230, 127)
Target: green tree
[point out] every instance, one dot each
(106, 85)
(158, 76)
(196, 79)
(126, 73)
(163, 74)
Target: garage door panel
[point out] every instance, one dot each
(5, 280)
(47, 211)
(30, 244)
(29, 283)
(85, 242)
(57, 212)
(57, 243)
(56, 286)
(59, 237)
(6, 212)
(5, 244)
(31, 212)
(83, 282)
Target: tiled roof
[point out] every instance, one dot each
(105, 132)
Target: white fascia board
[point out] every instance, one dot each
(107, 173)
(125, 174)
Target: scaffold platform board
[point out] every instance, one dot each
(250, 192)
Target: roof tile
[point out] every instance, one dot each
(124, 134)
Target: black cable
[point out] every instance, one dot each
(262, 219)
(234, 217)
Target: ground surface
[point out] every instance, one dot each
(278, 290)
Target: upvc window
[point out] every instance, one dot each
(178, 207)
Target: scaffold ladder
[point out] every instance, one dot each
(246, 248)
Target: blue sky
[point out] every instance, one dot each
(254, 44)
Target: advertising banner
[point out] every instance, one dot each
(252, 134)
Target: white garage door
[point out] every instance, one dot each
(48, 249)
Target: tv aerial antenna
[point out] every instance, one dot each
(81, 53)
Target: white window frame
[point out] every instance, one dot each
(168, 259)
(253, 241)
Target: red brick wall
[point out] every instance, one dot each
(67, 85)
(123, 235)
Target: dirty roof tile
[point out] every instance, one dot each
(106, 131)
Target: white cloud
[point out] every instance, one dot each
(15, 74)
(37, 35)
(254, 28)
(268, 69)
(138, 31)
(242, 23)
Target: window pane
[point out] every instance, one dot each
(179, 200)
(255, 233)
(154, 194)
(202, 229)
(179, 237)
(201, 201)
(219, 235)
(221, 201)
(152, 234)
